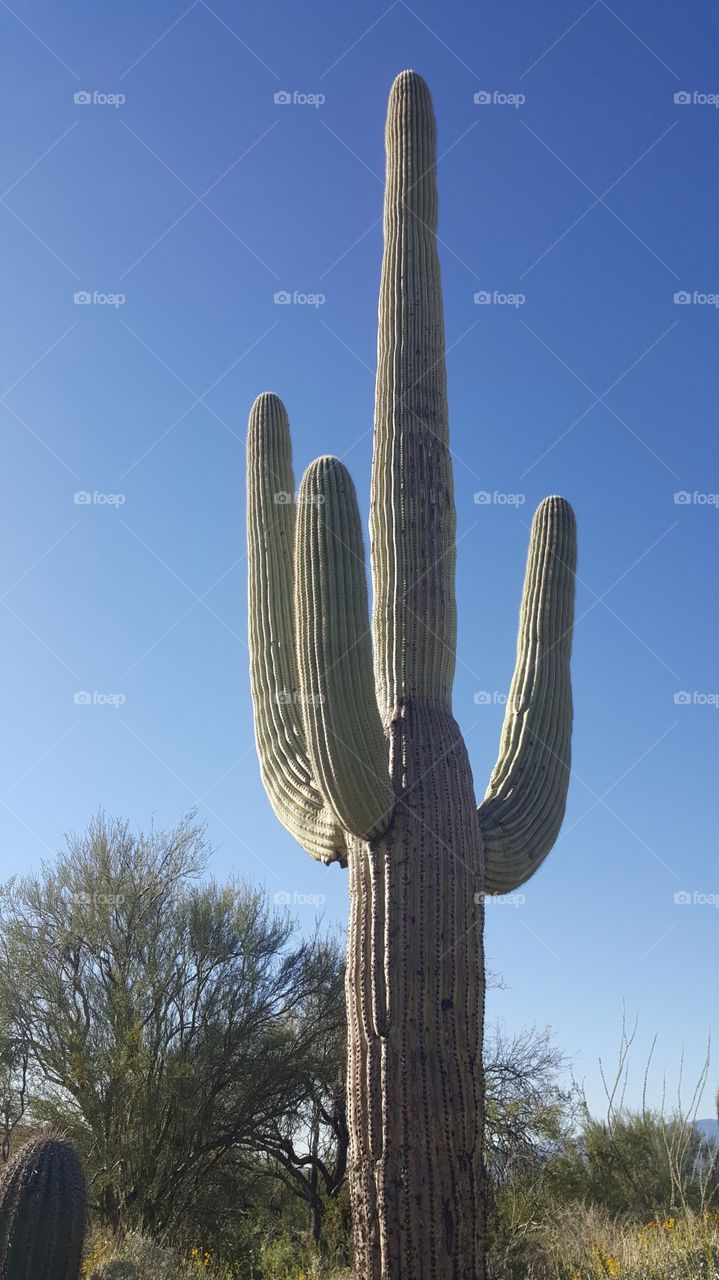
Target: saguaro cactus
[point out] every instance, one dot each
(368, 767)
(42, 1213)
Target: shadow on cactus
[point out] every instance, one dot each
(42, 1212)
(364, 763)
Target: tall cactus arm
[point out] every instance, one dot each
(347, 748)
(279, 732)
(412, 516)
(523, 807)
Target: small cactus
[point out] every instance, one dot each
(42, 1212)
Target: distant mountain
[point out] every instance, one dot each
(709, 1128)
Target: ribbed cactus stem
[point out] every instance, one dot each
(524, 803)
(375, 771)
(412, 516)
(279, 730)
(42, 1213)
(346, 745)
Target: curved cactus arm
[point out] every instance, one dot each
(412, 516)
(523, 807)
(347, 748)
(279, 731)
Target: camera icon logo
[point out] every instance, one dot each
(82, 698)
(282, 898)
(82, 298)
(482, 298)
(282, 499)
(282, 97)
(682, 297)
(482, 98)
(82, 97)
(682, 698)
(483, 699)
(282, 298)
(682, 98)
(682, 898)
(681, 498)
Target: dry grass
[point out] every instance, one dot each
(158, 1261)
(571, 1243)
(578, 1243)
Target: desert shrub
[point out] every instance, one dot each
(639, 1164)
(137, 1256)
(150, 1003)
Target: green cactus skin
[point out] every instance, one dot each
(42, 1213)
(367, 766)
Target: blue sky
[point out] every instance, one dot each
(182, 210)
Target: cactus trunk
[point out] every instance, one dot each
(415, 972)
(365, 765)
(415, 994)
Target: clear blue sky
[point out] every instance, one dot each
(198, 198)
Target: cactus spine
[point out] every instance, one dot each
(42, 1213)
(367, 766)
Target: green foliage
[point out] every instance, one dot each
(528, 1109)
(14, 1061)
(176, 1028)
(630, 1196)
(639, 1164)
(42, 1213)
